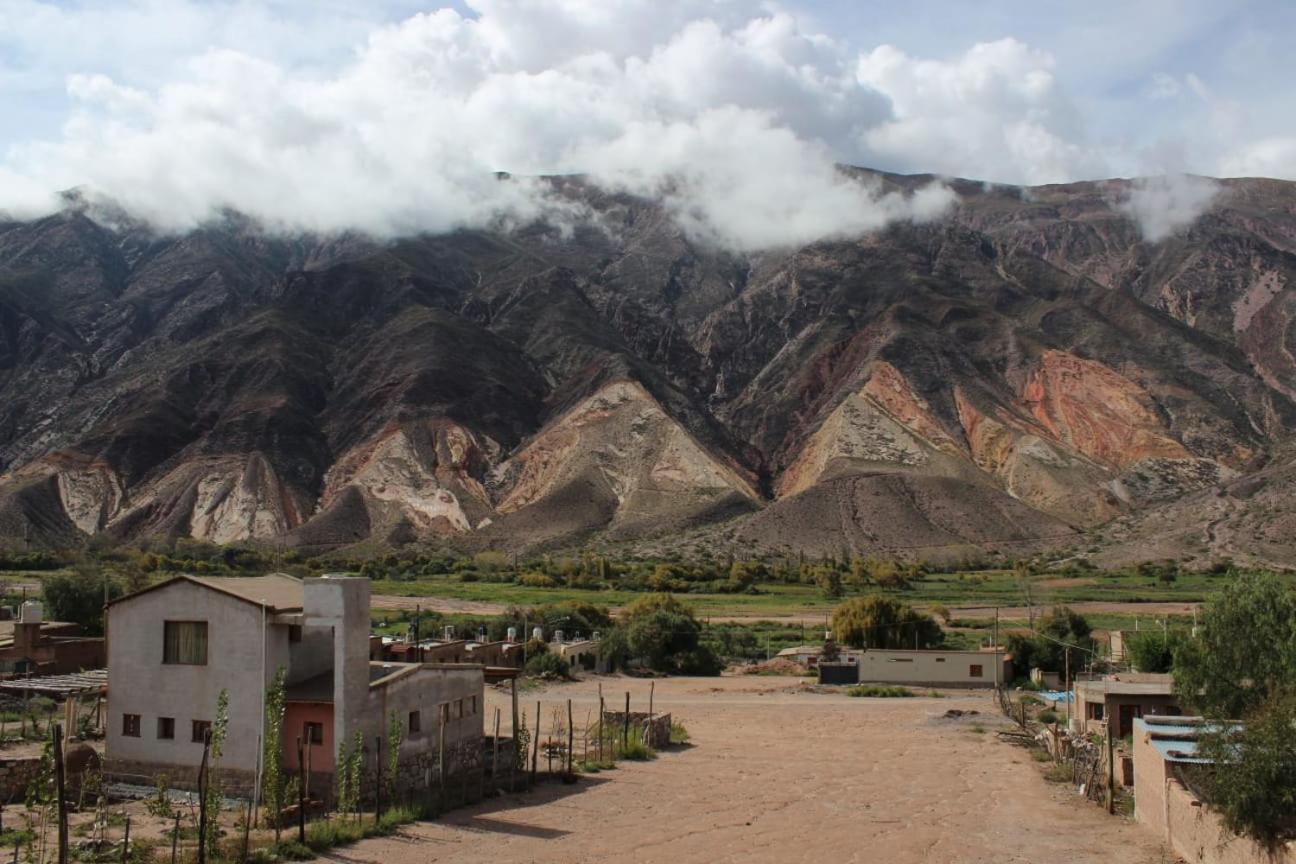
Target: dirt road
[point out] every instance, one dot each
(783, 776)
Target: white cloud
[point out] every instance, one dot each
(1166, 205)
(993, 113)
(732, 110)
(736, 119)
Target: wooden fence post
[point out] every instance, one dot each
(652, 687)
(535, 751)
(1111, 770)
(495, 754)
(126, 843)
(600, 725)
(175, 839)
(202, 801)
(571, 737)
(56, 731)
(625, 725)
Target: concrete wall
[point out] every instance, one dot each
(938, 668)
(241, 659)
(296, 715)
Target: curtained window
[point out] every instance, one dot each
(185, 642)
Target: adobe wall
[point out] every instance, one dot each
(1198, 835)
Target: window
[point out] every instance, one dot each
(445, 712)
(294, 632)
(314, 733)
(459, 709)
(131, 725)
(975, 671)
(185, 643)
(200, 730)
(166, 728)
(940, 659)
(901, 659)
(1095, 710)
(414, 722)
(472, 705)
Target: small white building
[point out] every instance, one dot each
(935, 668)
(173, 647)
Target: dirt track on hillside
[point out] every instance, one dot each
(778, 775)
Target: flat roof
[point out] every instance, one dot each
(1125, 688)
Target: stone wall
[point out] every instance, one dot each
(15, 775)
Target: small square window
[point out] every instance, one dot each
(459, 709)
(314, 733)
(294, 632)
(414, 722)
(166, 728)
(975, 671)
(445, 712)
(131, 725)
(940, 659)
(200, 730)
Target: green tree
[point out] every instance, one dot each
(878, 621)
(661, 632)
(214, 795)
(273, 782)
(1244, 651)
(1256, 792)
(1153, 650)
(1241, 666)
(395, 736)
(78, 596)
(1058, 634)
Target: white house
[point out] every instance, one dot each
(173, 647)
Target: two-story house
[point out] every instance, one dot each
(173, 647)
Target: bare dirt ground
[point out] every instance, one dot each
(781, 775)
(1095, 607)
(437, 604)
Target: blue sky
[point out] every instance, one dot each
(142, 98)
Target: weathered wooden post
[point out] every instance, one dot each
(202, 801)
(625, 725)
(1111, 769)
(571, 737)
(56, 732)
(126, 844)
(535, 751)
(495, 754)
(175, 839)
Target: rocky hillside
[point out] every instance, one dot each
(1022, 371)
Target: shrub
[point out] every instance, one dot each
(878, 692)
(1048, 715)
(547, 665)
(678, 734)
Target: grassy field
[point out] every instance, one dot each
(980, 589)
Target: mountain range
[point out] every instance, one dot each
(1026, 373)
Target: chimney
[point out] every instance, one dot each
(512, 634)
(342, 602)
(31, 612)
(537, 633)
(449, 632)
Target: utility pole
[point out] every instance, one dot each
(1066, 653)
